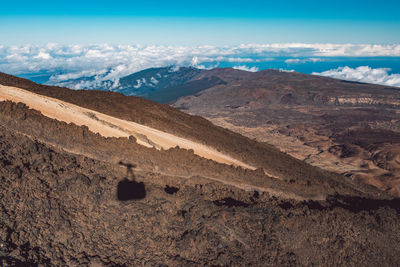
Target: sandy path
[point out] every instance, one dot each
(109, 126)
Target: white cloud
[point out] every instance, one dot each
(364, 74)
(153, 80)
(238, 59)
(75, 75)
(195, 61)
(43, 55)
(292, 60)
(301, 49)
(284, 70)
(303, 60)
(173, 69)
(245, 68)
(107, 63)
(139, 83)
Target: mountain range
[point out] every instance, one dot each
(347, 127)
(162, 85)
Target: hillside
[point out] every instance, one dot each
(170, 120)
(346, 127)
(84, 182)
(147, 81)
(315, 119)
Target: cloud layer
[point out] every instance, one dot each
(302, 60)
(107, 63)
(364, 74)
(245, 68)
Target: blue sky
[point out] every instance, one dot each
(199, 22)
(55, 41)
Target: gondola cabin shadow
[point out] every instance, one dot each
(128, 188)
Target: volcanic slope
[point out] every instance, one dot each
(109, 126)
(272, 164)
(197, 129)
(346, 127)
(70, 196)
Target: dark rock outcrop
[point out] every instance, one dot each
(62, 209)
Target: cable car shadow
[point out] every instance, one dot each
(128, 188)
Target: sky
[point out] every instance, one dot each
(56, 41)
(223, 22)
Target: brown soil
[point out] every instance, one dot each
(70, 197)
(171, 120)
(109, 126)
(62, 209)
(303, 115)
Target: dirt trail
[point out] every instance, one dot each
(109, 126)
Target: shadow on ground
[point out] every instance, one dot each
(128, 188)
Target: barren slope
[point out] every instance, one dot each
(61, 209)
(109, 126)
(72, 197)
(346, 127)
(197, 129)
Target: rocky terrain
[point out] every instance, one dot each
(302, 115)
(346, 127)
(72, 197)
